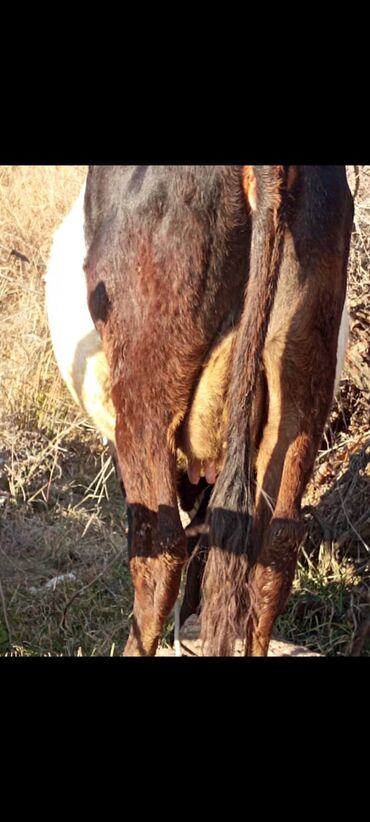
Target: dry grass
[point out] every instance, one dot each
(61, 513)
(33, 200)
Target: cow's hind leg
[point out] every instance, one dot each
(300, 375)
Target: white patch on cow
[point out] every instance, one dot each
(77, 344)
(342, 345)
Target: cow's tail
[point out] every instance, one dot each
(225, 606)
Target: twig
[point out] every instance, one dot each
(347, 534)
(10, 640)
(81, 590)
(177, 644)
(357, 181)
(188, 650)
(19, 256)
(351, 526)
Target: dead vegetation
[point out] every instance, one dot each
(61, 513)
(64, 581)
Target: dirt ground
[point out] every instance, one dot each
(190, 644)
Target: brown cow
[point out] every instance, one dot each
(218, 292)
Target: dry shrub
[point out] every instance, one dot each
(33, 201)
(61, 513)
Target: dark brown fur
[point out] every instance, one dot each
(172, 255)
(167, 268)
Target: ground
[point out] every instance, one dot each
(64, 582)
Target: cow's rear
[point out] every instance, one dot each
(240, 380)
(301, 233)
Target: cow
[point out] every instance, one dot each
(217, 316)
(76, 342)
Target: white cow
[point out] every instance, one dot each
(77, 344)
